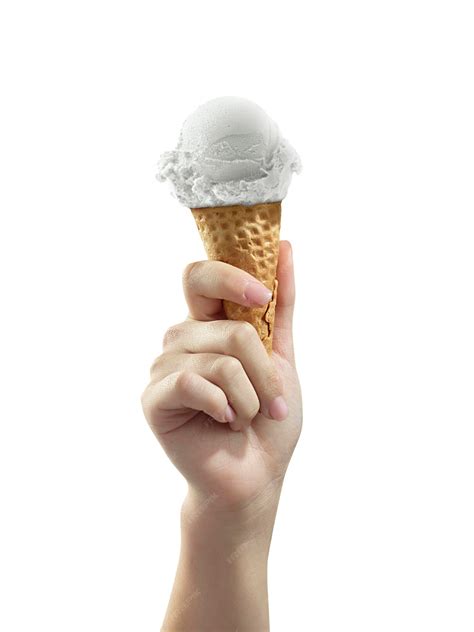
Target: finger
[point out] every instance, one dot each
(238, 339)
(224, 371)
(283, 331)
(206, 283)
(183, 390)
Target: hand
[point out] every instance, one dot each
(214, 371)
(229, 417)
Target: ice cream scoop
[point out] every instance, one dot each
(232, 168)
(229, 152)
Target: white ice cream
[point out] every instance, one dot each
(229, 152)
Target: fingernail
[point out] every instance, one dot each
(229, 414)
(278, 409)
(257, 294)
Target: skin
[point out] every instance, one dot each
(233, 460)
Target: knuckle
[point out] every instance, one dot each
(253, 409)
(227, 367)
(161, 366)
(150, 404)
(172, 335)
(189, 274)
(242, 334)
(183, 382)
(155, 367)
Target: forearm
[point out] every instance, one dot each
(221, 581)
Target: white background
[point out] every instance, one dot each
(375, 527)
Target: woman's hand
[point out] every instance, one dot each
(229, 417)
(227, 414)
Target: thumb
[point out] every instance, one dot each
(283, 331)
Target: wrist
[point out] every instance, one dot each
(230, 529)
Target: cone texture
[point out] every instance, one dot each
(246, 237)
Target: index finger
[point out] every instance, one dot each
(207, 283)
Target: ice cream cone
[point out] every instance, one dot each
(246, 237)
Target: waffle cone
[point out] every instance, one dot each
(246, 237)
